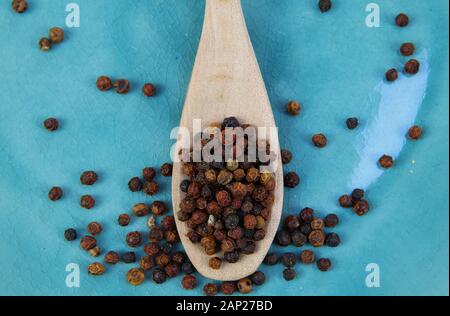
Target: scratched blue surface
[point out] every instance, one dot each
(332, 63)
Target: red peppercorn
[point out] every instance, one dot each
(331, 220)
(412, 67)
(95, 228)
(361, 207)
(45, 44)
(151, 188)
(166, 170)
(386, 162)
(122, 86)
(88, 177)
(19, 6)
(189, 282)
(325, 5)
(104, 83)
(286, 156)
(307, 257)
(124, 220)
(392, 75)
(407, 49)
(55, 194)
(210, 289)
(134, 239)
(291, 180)
(88, 242)
(158, 208)
(51, 124)
(135, 184)
(293, 108)
(149, 90)
(402, 20)
(346, 201)
(415, 132)
(87, 202)
(149, 173)
(228, 288)
(112, 257)
(320, 140)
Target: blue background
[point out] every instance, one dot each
(331, 62)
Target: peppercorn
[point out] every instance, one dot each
(305, 229)
(412, 67)
(407, 49)
(346, 201)
(320, 140)
(324, 264)
(252, 175)
(159, 276)
(136, 276)
(415, 132)
(361, 207)
(166, 170)
(171, 270)
(331, 220)
(152, 249)
(215, 263)
(325, 5)
(95, 252)
(104, 83)
(224, 177)
(87, 202)
(158, 208)
(184, 185)
(258, 278)
(231, 257)
(129, 257)
(392, 75)
(172, 236)
(307, 257)
(188, 169)
(188, 267)
(230, 122)
(402, 20)
(332, 240)
(352, 123)
(135, 184)
(189, 282)
(317, 238)
(288, 260)
(134, 239)
(386, 162)
(112, 257)
(298, 238)
(317, 224)
(357, 194)
(70, 234)
(228, 288)
(168, 223)
(250, 221)
(178, 257)
(56, 35)
(239, 174)
(245, 285)
(307, 215)
(94, 228)
(291, 223)
(55, 194)
(45, 44)
(271, 259)
(149, 90)
(156, 234)
(151, 188)
(88, 177)
(148, 174)
(232, 165)
(19, 6)
(293, 108)
(283, 238)
(122, 86)
(88, 242)
(286, 156)
(210, 289)
(291, 180)
(96, 269)
(124, 220)
(289, 274)
(193, 237)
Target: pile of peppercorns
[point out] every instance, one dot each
(123, 86)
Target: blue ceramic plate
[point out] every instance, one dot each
(333, 63)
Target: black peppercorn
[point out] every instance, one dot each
(19, 6)
(325, 5)
(135, 184)
(357, 194)
(391, 75)
(332, 240)
(307, 215)
(258, 278)
(324, 264)
(283, 238)
(271, 259)
(291, 223)
(331, 220)
(291, 180)
(230, 122)
(166, 170)
(231, 257)
(124, 220)
(88, 177)
(288, 259)
(129, 257)
(352, 123)
(149, 173)
(286, 156)
(70, 234)
(159, 276)
(289, 274)
(402, 20)
(298, 238)
(51, 124)
(87, 202)
(188, 267)
(55, 194)
(104, 83)
(412, 67)
(134, 239)
(184, 185)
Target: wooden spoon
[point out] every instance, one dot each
(226, 81)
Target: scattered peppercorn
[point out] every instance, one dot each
(361, 207)
(96, 269)
(129, 257)
(136, 276)
(149, 173)
(392, 75)
(88, 242)
(189, 282)
(407, 49)
(294, 108)
(291, 180)
(149, 90)
(331, 220)
(45, 44)
(151, 188)
(228, 288)
(104, 83)
(332, 240)
(187, 267)
(95, 252)
(55, 194)
(140, 210)
(402, 20)
(307, 215)
(386, 162)
(70, 234)
(324, 264)
(158, 208)
(88, 177)
(95, 228)
(122, 86)
(210, 289)
(51, 124)
(134, 239)
(124, 220)
(135, 184)
(288, 260)
(415, 132)
(358, 194)
(283, 238)
(289, 274)
(56, 35)
(87, 202)
(166, 170)
(317, 238)
(19, 6)
(271, 259)
(245, 286)
(286, 156)
(307, 257)
(159, 276)
(230, 122)
(325, 5)
(346, 201)
(412, 67)
(352, 123)
(112, 257)
(320, 140)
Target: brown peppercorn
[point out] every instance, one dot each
(162, 260)
(158, 208)
(156, 234)
(331, 220)
(189, 282)
(228, 288)
(136, 276)
(299, 239)
(45, 44)
(346, 201)
(224, 177)
(358, 194)
(172, 236)
(94, 228)
(320, 140)
(245, 286)
(288, 259)
(149, 173)
(250, 221)
(317, 224)
(104, 83)
(392, 75)
(239, 174)
(286, 156)
(134, 239)
(317, 238)
(51, 124)
(210, 289)
(88, 242)
(151, 188)
(386, 162)
(149, 90)
(402, 20)
(307, 215)
(166, 170)
(291, 180)
(168, 223)
(96, 269)
(124, 220)
(307, 257)
(159, 276)
(223, 198)
(194, 189)
(291, 223)
(88, 177)
(258, 278)
(56, 35)
(283, 238)
(140, 210)
(55, 194)
(415, 132)
(293, 108)
(122, 86)
(19, 6)
(215, 263)
(324, 264)
(271, 259)
(361, 207)
(172, 270)
(152, 249)
(87, 202)
(407, 49)
(95, 252)
(289, 274)
(112, 257)
(325, 5)
(129, 257)
(412, 67)
(252, 175)
(352, 123)
(135, 184)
